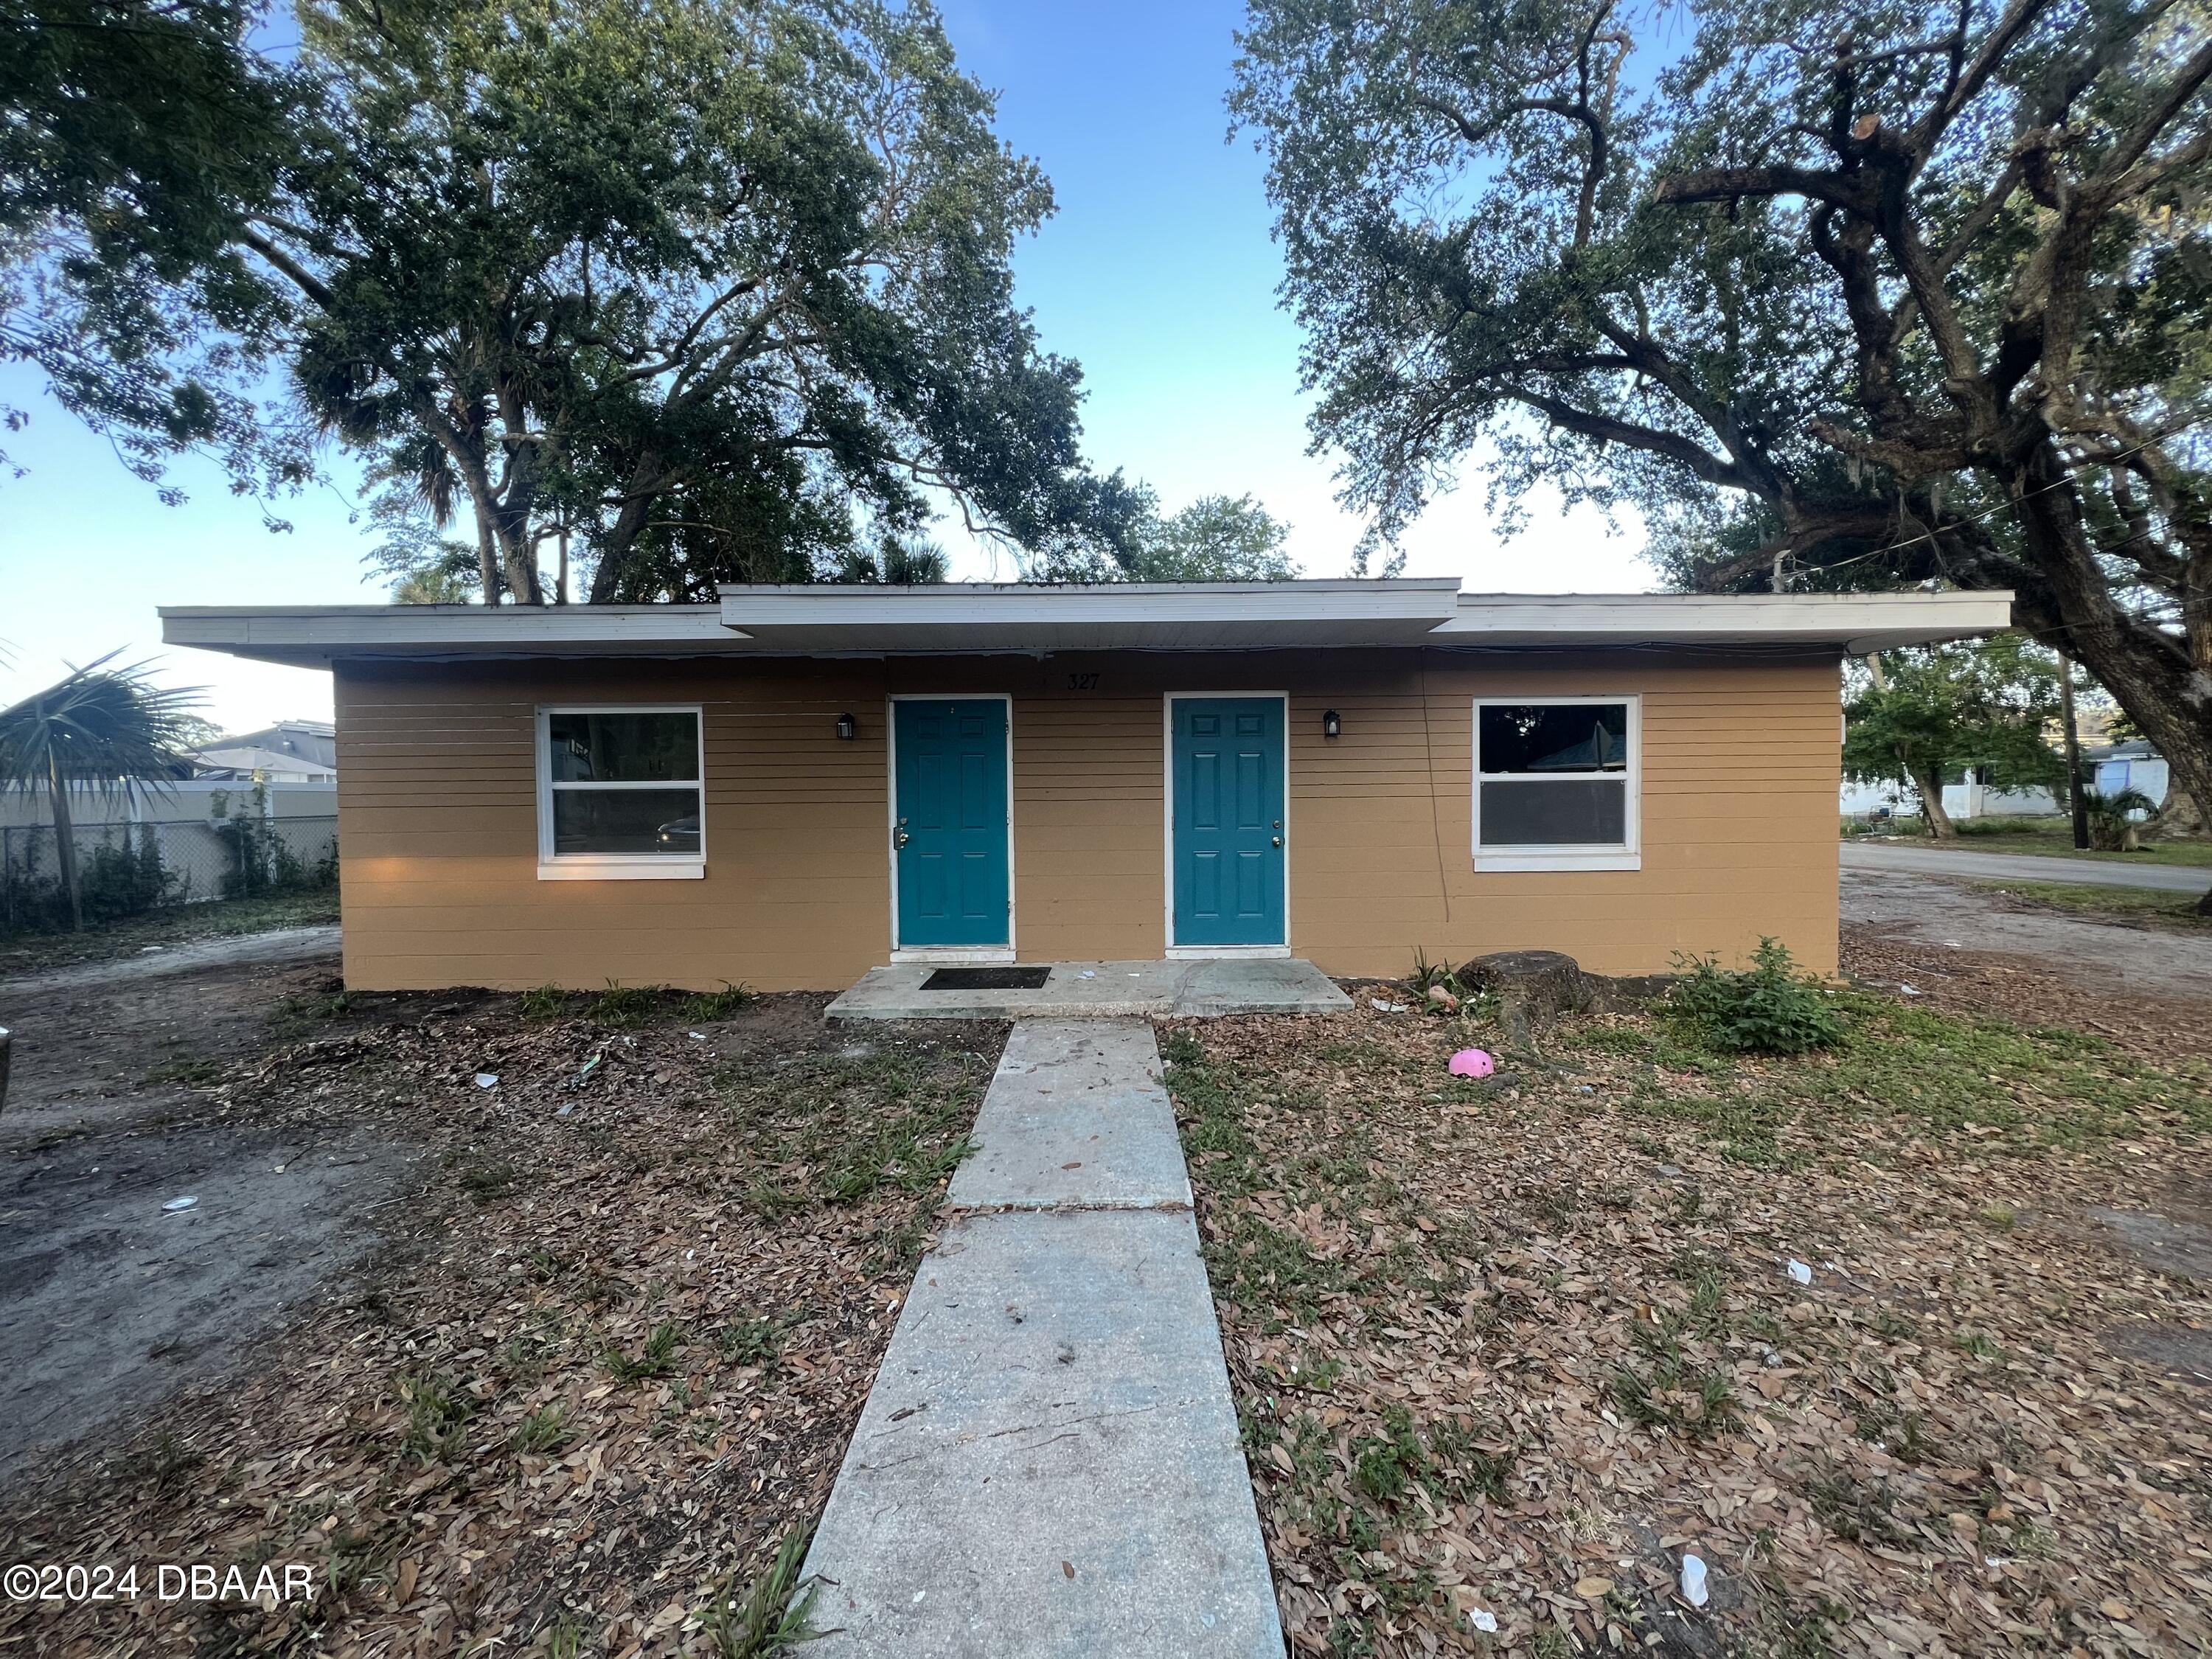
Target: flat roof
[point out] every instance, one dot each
(967, 618)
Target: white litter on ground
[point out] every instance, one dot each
(487, 1080)
(1693, 1581)
(176, 1204)
(1800, 1272)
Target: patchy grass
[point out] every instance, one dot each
(186, 1071)
(299, 1014)
(1511, 1348)
(752, 1341)
(547, 1001)
(704, 1007)
(585, 1397)
(183, 924)
(656, 1359)
(904, 1148)
(768, 1616)
(624, 1006)
(2131, 907)
(1898, 1069)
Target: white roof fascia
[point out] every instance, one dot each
(1852, 623)
(827, 621)
(1135, 616)
(314, 636)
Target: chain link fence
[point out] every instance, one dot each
(126, 868)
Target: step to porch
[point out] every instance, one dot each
(1104, 990)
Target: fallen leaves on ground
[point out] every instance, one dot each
(1953, 976)
(1506, 1351)
(609, 1359)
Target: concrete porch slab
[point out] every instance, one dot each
(1048, 1462)
(1076, 1114)
(1105, 990)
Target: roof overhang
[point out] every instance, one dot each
(315, 637)
(1852, 623)
(962, 617)
(974, 618)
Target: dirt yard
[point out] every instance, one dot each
(533, 1323)
(1909, 1343)
(1891, 921)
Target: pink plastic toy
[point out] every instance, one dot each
(1472, 1062)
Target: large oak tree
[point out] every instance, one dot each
(1837, 292)
(667, 292)
(679, 283)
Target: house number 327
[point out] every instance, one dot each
(1083, 682)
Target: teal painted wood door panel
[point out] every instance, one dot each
(1228, 822)
(950, 836)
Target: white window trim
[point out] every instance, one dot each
(615, 866)
(1626, 854)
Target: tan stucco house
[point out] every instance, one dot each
(800, 782)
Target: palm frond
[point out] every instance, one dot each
(110, 728)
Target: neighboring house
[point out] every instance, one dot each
(1969, 798)
(291, 752)
(789, 787)
(2132, 765)
(2109, 768)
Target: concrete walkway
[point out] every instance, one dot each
(1878, 856)
(1048, 1462)
(1105, 990)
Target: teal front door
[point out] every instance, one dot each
(950, 834)
(1228, 820)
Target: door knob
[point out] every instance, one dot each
(1279, 841)
(899, 838)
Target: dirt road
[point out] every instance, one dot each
(1873, 857)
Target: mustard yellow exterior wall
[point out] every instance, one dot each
(437, 809)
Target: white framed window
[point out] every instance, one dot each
(1557, 782)
(620, 792)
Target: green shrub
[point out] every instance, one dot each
(1769, 1008)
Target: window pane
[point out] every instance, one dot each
(1585, 812)
(622, 748)
(664, 820)
(1554, 736)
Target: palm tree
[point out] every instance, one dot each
(2112, 819)
(110, 728)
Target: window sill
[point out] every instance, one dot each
(617, 869)
(1507, 859)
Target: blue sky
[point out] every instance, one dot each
(1158, 274)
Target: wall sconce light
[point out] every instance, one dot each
(848, 728)
(1330, 726)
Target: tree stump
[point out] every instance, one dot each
(1534, 988)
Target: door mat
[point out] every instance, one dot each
(988, 979)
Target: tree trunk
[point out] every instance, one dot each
(647, 479)
(2149, 673)
(487, 563)
(65, 839)
(1933, 818)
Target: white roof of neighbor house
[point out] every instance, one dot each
(969, 617)
(252, 758)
